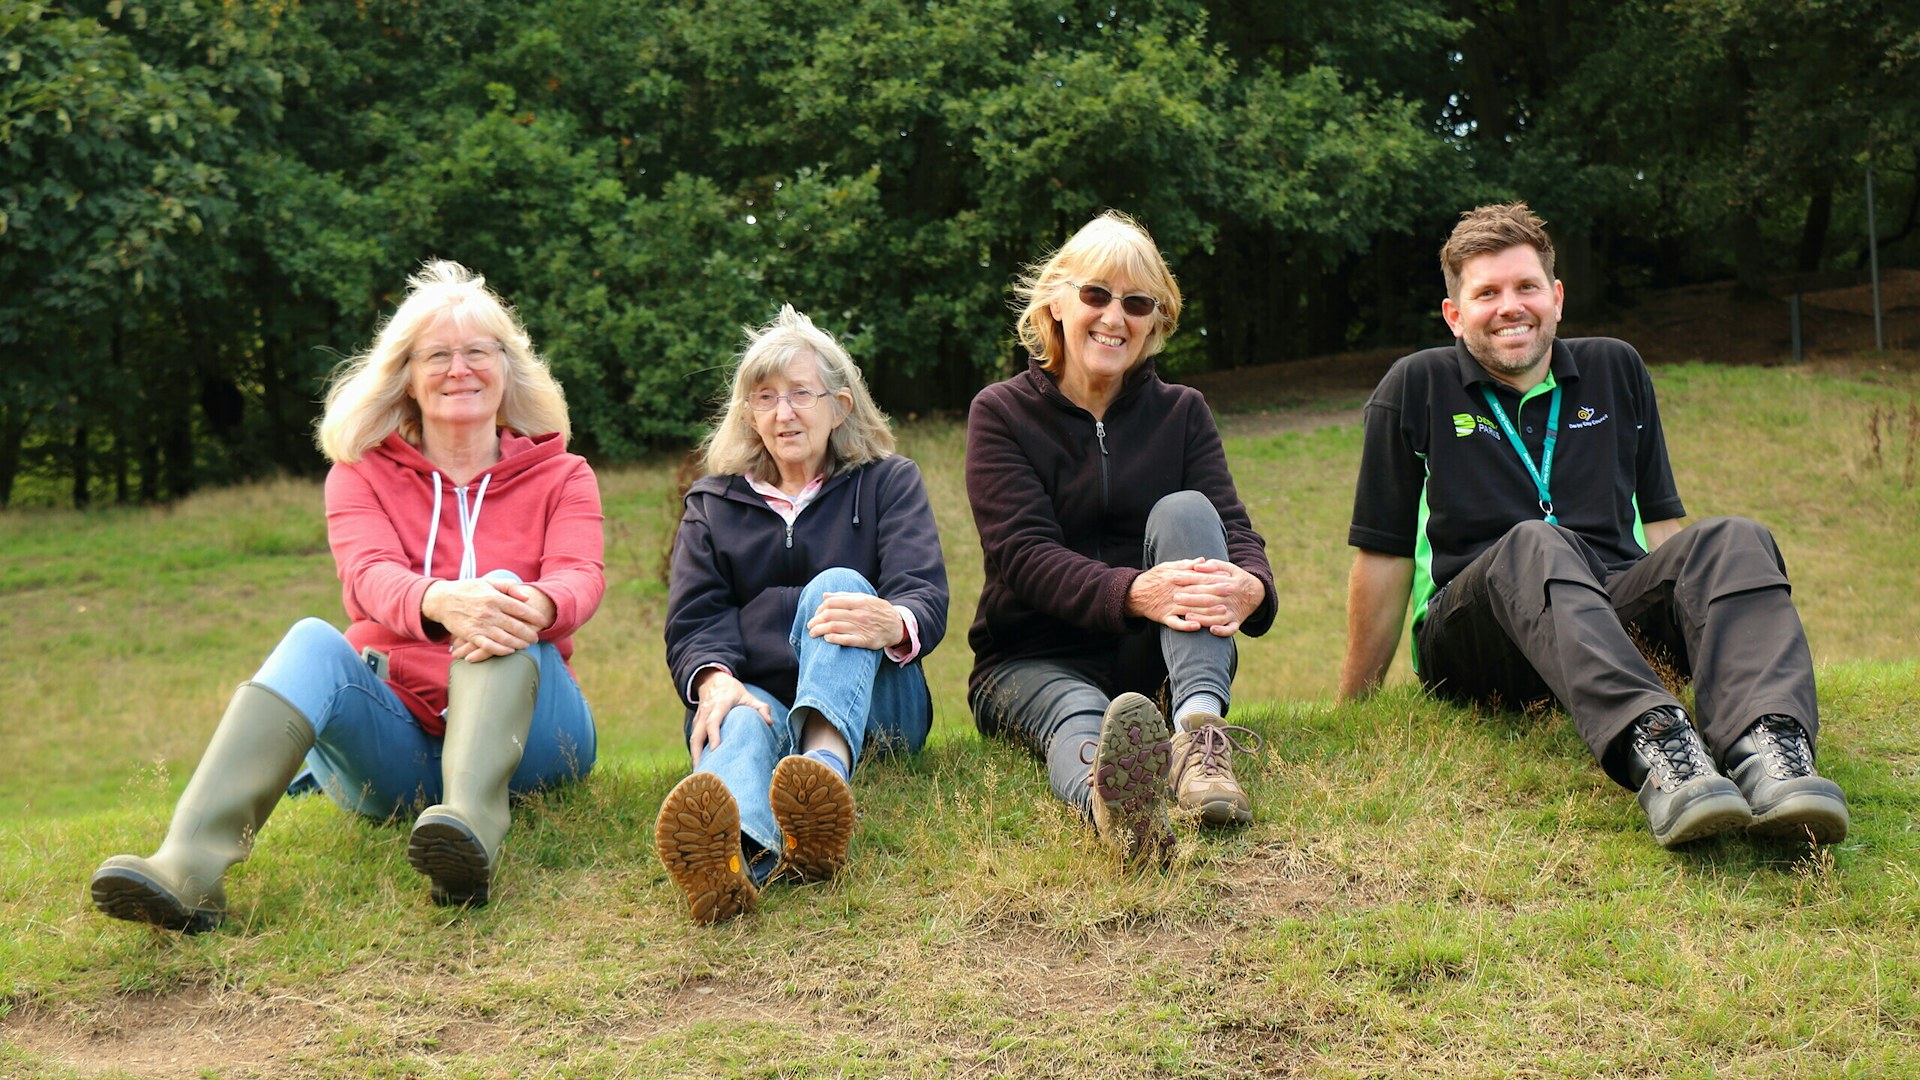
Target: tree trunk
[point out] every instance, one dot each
(117, 460)
(149, 469)
(1481, 56)
(1749, 252)
(79, 462)
(122, 433)
(1244, 327)
(177, 454)
(1813, 235)
(1574, 266)
(13, 431)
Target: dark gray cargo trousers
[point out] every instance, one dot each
(1538, 615)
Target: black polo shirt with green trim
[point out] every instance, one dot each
(1440, 482)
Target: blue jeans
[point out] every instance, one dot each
(369, 753)
(1054, 705)
(866, 697)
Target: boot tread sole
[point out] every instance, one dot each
(124, 893)
(1224, 811)
(814, 809)
(1817, 815)
(453, 858)
(1709, 815)
(1130, 768)
(698, 837)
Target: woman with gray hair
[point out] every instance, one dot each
(807, 586)
(450, 685)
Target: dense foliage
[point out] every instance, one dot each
(205, 205)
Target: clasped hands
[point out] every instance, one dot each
(487, 618)
(1196, 594)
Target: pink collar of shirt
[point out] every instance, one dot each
(787, 506)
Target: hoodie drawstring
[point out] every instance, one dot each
(469, 564)
(433, 530)
(469, 521)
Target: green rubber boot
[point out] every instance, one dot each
(489, 709)
(254, 753)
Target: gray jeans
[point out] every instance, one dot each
(1053, 705)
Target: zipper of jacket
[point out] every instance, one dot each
(756, 500)
(1100, 433)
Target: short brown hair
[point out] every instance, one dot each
(1487, 230)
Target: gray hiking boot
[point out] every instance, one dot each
(1773, 765)
(1684, 798)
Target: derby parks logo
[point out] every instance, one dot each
(1465, 424)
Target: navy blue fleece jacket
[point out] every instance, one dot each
(738, 568)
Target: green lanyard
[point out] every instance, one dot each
(1544, 471)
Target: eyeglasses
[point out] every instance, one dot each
(799, 397)
(1138, 305)
(477, 355)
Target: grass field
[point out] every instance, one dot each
(1427, 891)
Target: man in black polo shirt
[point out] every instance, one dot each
(1517, 488)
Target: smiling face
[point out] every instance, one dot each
(1101, 344)
(797, 439)
(460, 396)
(1506, 312)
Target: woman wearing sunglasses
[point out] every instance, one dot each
(807, 586)
(1120, 562)
(468, 546)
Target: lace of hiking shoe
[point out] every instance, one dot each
(1215, 744)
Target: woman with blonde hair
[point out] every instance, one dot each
(1119, 559)
(468, 545)
(807, 586)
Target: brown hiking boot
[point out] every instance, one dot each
(1129, 781)
(698, 835)
(1203, 778)
(814, 809)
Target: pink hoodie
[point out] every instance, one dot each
(395, 525)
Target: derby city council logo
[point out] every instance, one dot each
(1587, 416)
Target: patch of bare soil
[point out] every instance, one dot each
(1713, 323)
(181, 1034)
(1720, 325)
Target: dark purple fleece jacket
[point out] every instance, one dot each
(1061, 504)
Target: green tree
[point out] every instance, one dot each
(109, 188)
(203, 207)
